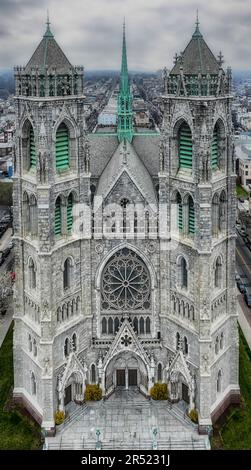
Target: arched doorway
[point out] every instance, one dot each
(73, 389)
(126, 370)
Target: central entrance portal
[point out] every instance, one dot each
(126, 371)
(121, 378)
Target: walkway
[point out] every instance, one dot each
(126, 420)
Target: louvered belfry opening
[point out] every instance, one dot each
(62, 147)
(58, 217)
(33, 157)
(215, 148)
(185, 146)
(191, 221)
(180, 213)
(69, 212)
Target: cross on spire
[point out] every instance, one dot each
(48, 33)
(197, 33)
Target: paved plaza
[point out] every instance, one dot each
(127, 420)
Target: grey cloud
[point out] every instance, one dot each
(90, 31)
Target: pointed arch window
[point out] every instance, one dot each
(183, 273)
(116, 325)
(58, 217)
(104, 326)
(93, 374)
(215, 147)
(219, 382)
(32, 274)
(135, 324)
(218, 273)
(141, 325)
(110, 326)
(185, 345)
(185, 146)
(33, 384)
(62, 147)
(74, 342)
(67, 273)
(177, 340)
(148, 325)
(159, 373)
(67, 347)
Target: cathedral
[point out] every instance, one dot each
(124, 239)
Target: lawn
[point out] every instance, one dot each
(17, 432)
(241, 192)
(236, 432)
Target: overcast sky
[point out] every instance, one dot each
(89, 31)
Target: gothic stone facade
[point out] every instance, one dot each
(129, 298)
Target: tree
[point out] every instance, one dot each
(5, 290)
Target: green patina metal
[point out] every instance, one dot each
(69, 213)
(215, 148)
(62, 148)
(33, 156)
(185, 146)
(57, 227)
(125, 113)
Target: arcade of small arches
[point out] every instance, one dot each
(110, 325)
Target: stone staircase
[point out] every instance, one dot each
(126, 421)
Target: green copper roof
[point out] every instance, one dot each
(49, 55)
(197, 57)
(125, 114)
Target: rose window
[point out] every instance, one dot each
(125, 283)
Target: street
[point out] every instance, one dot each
(243, 266)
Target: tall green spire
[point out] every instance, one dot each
(125, 114)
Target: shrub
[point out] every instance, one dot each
(93, 392)
(159, 392)
(193, 415)
(59, 417)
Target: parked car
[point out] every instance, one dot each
(247, 296)
(241, 199)
(243, 232)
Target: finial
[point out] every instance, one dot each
(220, 59)
(48, 33)
(197, 19)
(175, 59)
(197, 32)
(48, 18)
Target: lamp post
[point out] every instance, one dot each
(155, 432)
(98, 442)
